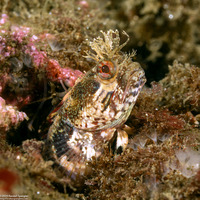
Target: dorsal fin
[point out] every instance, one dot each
(55, 111)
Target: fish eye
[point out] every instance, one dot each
(106, 69)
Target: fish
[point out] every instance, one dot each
(95, 109)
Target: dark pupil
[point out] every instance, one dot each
(105, 69)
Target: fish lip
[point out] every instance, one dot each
(141, 80)
(141, 77)
(139, 73)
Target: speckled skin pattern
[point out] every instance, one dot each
(96, 108)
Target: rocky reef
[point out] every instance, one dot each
(42, 49)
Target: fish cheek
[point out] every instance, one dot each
(94, 87)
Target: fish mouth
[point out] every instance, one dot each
(142, 80)
(139, 74)
(135, 82)
(134, 85)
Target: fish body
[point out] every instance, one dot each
(96, 108)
